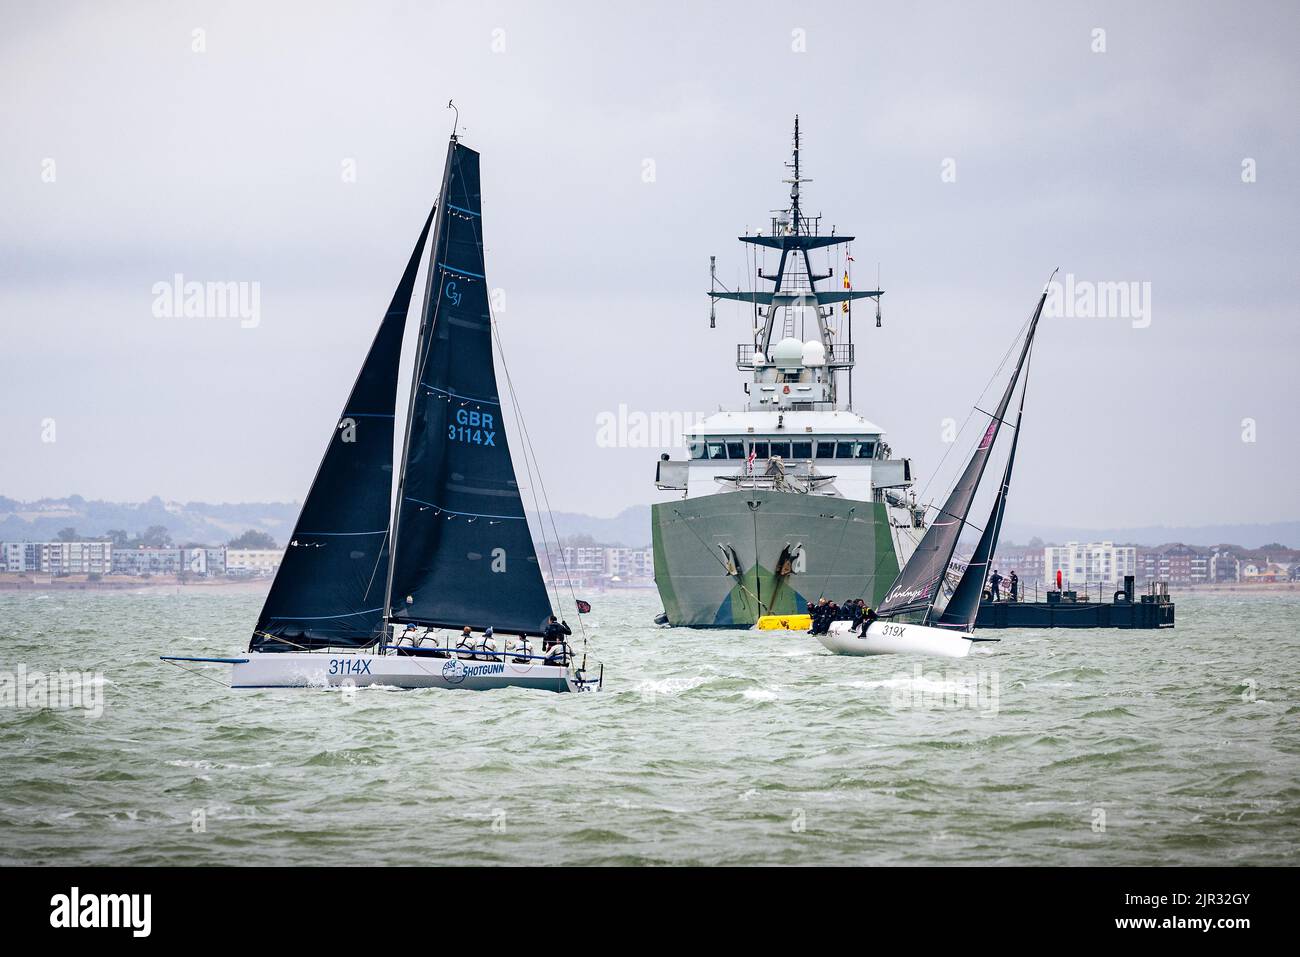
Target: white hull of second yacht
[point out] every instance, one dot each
(890, 638)
(309, 669)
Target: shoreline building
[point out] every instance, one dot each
(57, 558)
(147, 560)
(1091, 563)
(252, 562)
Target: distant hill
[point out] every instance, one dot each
(216, 523)
(630, 527)
(202, 522)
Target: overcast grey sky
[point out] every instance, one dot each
(225, 164)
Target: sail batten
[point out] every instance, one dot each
(462, 550)
(917, 590)
(328, 590)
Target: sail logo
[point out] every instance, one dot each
(454, 294)
(74, 909)
(455, 671)
(1085, 299)
(182, 299)
(903, 595)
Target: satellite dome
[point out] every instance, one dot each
(788, 353)
(814, 353)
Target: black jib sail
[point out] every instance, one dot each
(330, 585)
(918, 585)
(964, 604)
(462, 552)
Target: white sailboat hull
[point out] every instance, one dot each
(359, 669)
(890, 638)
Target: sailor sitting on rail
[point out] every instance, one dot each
(465, 643)
(411, 637)
(521, 648)
(487, 646)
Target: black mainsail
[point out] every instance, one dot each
(329, 588)
(964, 605)
(462, 551)
(918, 586)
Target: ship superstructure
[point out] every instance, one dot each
(796, 496)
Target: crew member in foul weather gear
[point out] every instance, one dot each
(856, 605)
(868, 616)
(1014, 582)
(995, 583)
(823, 614)
(556, 632)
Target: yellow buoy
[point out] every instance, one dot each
(785, 623)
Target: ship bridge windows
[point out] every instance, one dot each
(763, 448)
(854, 449)
(844, 449)
(713, 448)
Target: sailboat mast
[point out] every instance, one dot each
(417, 373)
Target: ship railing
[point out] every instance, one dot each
(801, 481)
(840, 356)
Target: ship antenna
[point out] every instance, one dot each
(456, 122)
(794, 192)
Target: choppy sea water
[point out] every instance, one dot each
(1065, 747)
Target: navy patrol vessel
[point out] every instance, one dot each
(796, 496)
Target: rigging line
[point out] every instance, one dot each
(996, 372)
(843, 532)
(379, 557)
(200, 674)
(968, 449)
(739, 578)
(1010, 350)
(267, 634)
(528, 442)
(528, 449)
(532, 482)
(880, 561)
